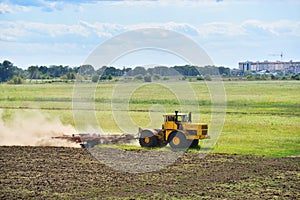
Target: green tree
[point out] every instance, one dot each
(249, 77)
(207, 77)
(86, 70)
(106, 77)
(71, 75)
(147, 78)
(273, 77)
(33, 72)
(95, 78)
(162, 71)
(137, 71)
(58, 70)
(200, 78)
(15, 80)
(139, 77)
(156, 77)
(210, 70)
(224, 71)
(7, 70)
(264, 77)
(187, 70)
(295, 77)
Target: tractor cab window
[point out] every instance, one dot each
(182, 118)
(170, 118)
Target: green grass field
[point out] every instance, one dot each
(262, 117)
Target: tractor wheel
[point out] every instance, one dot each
(194, 144)
(148, 139)
(178, 141)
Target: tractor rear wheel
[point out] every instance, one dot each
(148, 139)
(178, 141)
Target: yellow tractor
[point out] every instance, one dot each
(177, 130)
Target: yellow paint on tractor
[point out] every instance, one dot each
(177, 130)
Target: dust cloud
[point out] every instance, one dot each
(33, 128)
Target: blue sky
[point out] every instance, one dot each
(46, 32)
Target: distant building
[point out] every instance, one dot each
(292, 67)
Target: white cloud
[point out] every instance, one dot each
(285, 27)
(11, 8)
(222, 28)
(109, 30)
(55, 30)
(227, 29)
(21, 29)
(10, 31)
(103, 29)
(5, 8)
(277, 28)
(33, 31)
(184, 28)
(45, 5)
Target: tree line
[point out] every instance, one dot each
(9, 72)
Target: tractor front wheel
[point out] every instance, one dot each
(148, 139)
(178, 141)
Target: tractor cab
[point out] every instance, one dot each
(174, 121)
(178, 117)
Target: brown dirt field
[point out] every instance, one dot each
(72, 173)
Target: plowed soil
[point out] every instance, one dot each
(72, 173)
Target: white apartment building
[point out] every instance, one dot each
(290, 66)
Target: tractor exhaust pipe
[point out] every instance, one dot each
(176, 115)
(190, 117)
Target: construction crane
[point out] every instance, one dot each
(281, 55)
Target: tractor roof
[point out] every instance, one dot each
(173, 114)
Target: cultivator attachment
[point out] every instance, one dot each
(87, 140)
